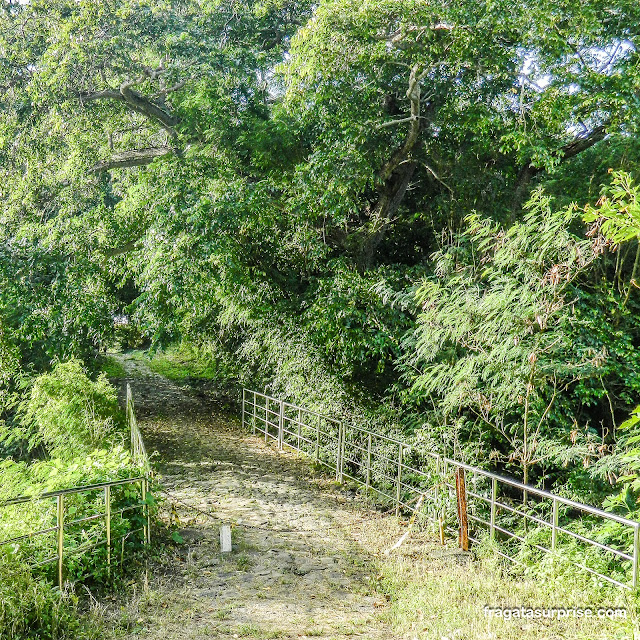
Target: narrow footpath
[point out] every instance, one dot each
(300, 565)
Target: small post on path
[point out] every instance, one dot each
(225, 538)
(461, 496)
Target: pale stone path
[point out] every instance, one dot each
(299, 566)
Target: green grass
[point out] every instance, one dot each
(243, 562)
(178, 364)
(436, 593)
(112, 368)
(254, 631)
(32, 608)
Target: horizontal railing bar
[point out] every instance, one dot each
(502, 505)
(419, 490)
(353, 445)
(72, 490)
(516, 536)
(478, 496)
(87, 519)
(539, 547)
(508, 557)
(28, 536)
(593, 543)
(130, 507)
(545, 494)
(375, 456)
(418, 471)
(301, 424)
(477, 519)
(72, 551)
(310, 412)
(353, 441)
(301, 437)
(43, 562)
(600, 575)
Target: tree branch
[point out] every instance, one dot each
(578, 145)
(134, 158)
(413, 93)
(125, 248)
(137, 102)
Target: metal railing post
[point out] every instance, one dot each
(266, 419)
(299, 427)
(554, 525)
(344, 439)
(243, 406)
(368, 482)
(398, 480)
(281, 426)
(494, 492)
(339, 453)
(60, 525)
(636, 558)
(317, 453)
(145, 511)
(253, 424)
(107, 519)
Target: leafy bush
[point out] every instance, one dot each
(77, 422)
(350, 322)
(511, 360)
(68, 413)
(30, 609)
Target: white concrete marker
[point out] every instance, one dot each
(225, 538)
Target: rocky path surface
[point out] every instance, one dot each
(299, 566)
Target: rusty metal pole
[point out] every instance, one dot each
(461, 496)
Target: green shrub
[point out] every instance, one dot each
(31, 609)
(68, 413)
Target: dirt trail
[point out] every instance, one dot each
(298, 567)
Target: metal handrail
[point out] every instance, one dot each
(140, 458)
(138, 450)
(71, 490)
(364, 453)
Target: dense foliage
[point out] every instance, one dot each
(364, 206)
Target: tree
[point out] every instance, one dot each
(463, 103)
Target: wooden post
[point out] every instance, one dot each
(461, 496)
